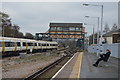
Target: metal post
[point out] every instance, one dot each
(101, 23)
(93, 35)
(98, 32)
(101, 19)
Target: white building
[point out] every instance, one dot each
(0, 31)
(119, 15)
(0, 25)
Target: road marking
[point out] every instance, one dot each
(62, 67)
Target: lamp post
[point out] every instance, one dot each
(97, 27)
(101, 18)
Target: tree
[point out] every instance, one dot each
(9, 30)
(15, 31)
(114, 27)
(29, 36)
(20, 35)
(106, 29)
(6, 25)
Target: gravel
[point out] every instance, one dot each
(16, 67)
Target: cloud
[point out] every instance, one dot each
(35, 16)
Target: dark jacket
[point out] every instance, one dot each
(106, 56)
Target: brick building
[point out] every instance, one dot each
(67, 31)
(64, 31)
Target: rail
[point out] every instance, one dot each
(38, 73)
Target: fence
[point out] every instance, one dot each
(114, 48)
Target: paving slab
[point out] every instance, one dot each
(106, 70)
(72, 68)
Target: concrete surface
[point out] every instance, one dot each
(108, 69)
(72, 68)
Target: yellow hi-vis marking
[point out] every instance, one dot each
(80, 64)
(46, 46)
(40, 45)
(26, 46)
(77, 67)
(15, 45)
(3, 46)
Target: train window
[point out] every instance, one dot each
(35, 44)
(47, 44)
(9, 44)
(38, 44)
(24, 43)
(51, 44)
(30, 44)
(18, 44)
(12, 44)
(43, 44)
(0, 44)
(54, 44)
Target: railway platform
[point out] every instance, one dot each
(80, 67)
(71, 69)
(105, 71)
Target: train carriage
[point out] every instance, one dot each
(13, 45)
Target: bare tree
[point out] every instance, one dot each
(115, 27)
(106, 29)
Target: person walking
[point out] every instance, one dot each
(103, 57)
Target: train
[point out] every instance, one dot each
(14, 46)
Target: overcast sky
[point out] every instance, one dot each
(35, 16)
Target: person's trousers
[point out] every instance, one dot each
(100, 59)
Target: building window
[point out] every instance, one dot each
(72, 28)
(53, 28)
(59, 28)
(78, 29)
(65, 28)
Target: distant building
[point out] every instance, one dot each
(112, 37)
(68, 31)
(43, 36)
(64, 31)
(119, 14)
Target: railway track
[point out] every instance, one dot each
(47, 72)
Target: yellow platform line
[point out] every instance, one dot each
(77, 67)
(80, 64)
